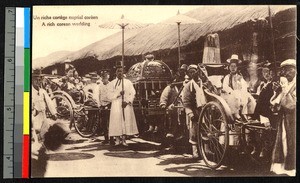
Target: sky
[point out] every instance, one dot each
(48, 39)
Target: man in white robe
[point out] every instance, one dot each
(122, 120)
(236, 94)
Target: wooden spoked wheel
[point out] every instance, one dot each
(213, 134)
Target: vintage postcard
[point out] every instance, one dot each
(167, 91)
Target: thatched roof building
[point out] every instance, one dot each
(235, 25)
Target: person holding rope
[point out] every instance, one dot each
(193, 99)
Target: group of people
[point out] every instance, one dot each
(274, 107)
(115, 98)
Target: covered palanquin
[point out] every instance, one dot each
(149, 78)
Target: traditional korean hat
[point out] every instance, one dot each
(267, 64)
(291, 62)
(183, 67)
(37, 73)
(105, 74)
(203, 69)
(118, 65)
(149, 57)
(192, 66)
(234, 59)
(93, 75)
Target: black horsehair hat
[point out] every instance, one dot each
(119, 65)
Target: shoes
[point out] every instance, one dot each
(195, 151)
(95, 140)
(105, 142)
(170, 148)
(111, 142)
(263, 153)
(150, 130)
(118, 142)
(124, 144)
(179, 138)
(169, 135)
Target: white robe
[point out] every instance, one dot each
(238, 96)
(117, 125)
(95, 92)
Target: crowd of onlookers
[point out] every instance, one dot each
(264, 96)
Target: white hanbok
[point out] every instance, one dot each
(94, 88)
(117, 125)
(237, 95)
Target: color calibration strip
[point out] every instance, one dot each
(16, 93)
(26, 95)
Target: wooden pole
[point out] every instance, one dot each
(178, 23)
(122, 63)
(272, 40)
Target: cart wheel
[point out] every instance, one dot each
(213, 134)
(64, 109)
(86, 122)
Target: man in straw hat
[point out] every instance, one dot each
(235, 88)
(122, 120)
(284, 154)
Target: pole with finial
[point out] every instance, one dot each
(123, 25)
(178, 24)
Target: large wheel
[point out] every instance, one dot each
(64, 109)
(86, 122)
(213, 134)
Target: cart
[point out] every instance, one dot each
(218, 133)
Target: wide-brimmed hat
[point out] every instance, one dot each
(234, 59)
(288, 62)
